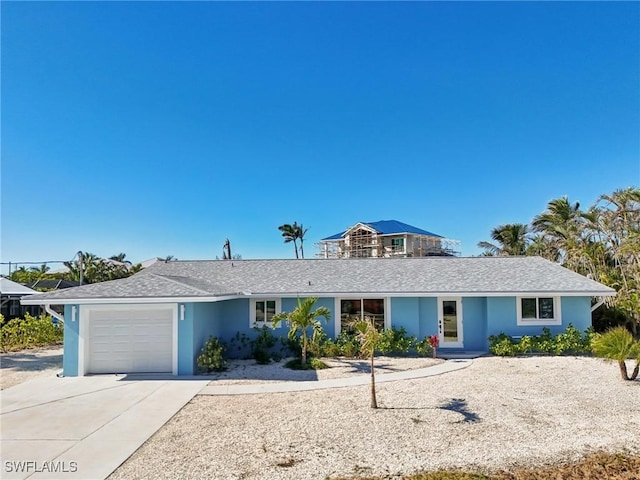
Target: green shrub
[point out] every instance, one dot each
(395, 342)
(30, 331)
(571, 341)
(502, 345)
(348, 344)
(312, 364)
(424, 348)
(546, 342)
(262, 345)
(211, 358)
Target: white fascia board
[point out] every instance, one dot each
(143, 300)
(434, 294)
(95, 301)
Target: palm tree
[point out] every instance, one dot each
(290, 234)
(510, 238)
(40, 271)
(369, 339)
(302, 319)
(563, 226)
(618, 344)
(300, 233)
(616, 225)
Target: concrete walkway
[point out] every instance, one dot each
(353, 381)
(83, 427)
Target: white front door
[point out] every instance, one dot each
(450, 322)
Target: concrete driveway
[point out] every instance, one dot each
(84, 427)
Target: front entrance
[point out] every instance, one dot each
(450, 322)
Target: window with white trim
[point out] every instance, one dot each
(354, 309)
(539, 311)
(263, 310)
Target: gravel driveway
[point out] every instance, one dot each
(497, 413)
(18, 367)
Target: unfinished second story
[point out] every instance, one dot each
(385, 239)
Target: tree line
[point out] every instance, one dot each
(601, 242)
(94, 269)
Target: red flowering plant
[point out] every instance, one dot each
(434, 341)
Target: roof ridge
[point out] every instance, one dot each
(177, 282)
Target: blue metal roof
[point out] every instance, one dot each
(389, 227)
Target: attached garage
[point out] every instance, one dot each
(137, 339)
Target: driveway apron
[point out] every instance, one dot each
(83, 427)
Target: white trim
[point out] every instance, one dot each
(460, 318)
(57, 316)
(597, 305)
(84, 329)
(154, 300)
(252, 312)
(535, 322)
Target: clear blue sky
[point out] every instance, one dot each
(163, 128)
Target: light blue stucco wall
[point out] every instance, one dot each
(577, 311)
(71, 341)
(405, 313)
(474, 323)
(428, 316)
(502, 316)
(419, 316)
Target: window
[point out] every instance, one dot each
(263, 310)
(397, 242)
(539, 311)
(352, 310)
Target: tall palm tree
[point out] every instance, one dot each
(290, 234)
(302, 319)
(617, 225)
(564, 228)
(300, 233)
(510, 238)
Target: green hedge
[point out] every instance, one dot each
(30, 331)
(569, 342)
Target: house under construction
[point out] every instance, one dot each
(386, 238)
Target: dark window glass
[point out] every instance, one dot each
(529, 308)
(545, 308)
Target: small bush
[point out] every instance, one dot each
(30, 331)
(348, 344)
(313, 364)
(211, 358)
(262, 345)
(424, 348)
(395, 342)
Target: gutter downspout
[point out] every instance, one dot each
(53, 313)
(597, 305)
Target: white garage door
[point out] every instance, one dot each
(130, 341)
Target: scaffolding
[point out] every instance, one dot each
(364, 242)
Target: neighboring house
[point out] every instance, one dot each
(384, 239)
(52, 284)
(159, 319)
(10, 295)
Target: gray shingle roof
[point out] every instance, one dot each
(425, 276)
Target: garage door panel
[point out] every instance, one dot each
(131, 341)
